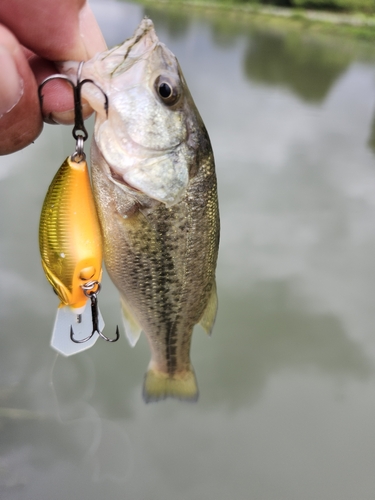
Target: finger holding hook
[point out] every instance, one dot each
(56, 101)
(79, 128)
(78, 114)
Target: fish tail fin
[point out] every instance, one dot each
(159, 385)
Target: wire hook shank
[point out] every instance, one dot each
(93, 296)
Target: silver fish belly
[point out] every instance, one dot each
(155, 189)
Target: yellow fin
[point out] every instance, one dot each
(208, 317)
(132, 328)
(159, 385)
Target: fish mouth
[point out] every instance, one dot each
(146, 27)
(143, 41)
(118, 179)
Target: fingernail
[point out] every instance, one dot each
(67, 117)
(11, 84)
(91, 35)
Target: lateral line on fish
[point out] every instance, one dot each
(170, 332)
(170, 356)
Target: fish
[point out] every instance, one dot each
(70, 244)
(155, 190)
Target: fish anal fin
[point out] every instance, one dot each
(133, 329)
(209, 314)
(160, 385)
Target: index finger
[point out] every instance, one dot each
(57, 30)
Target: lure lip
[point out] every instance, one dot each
(65, 317)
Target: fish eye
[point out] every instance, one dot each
(165, 90)
(168, 93)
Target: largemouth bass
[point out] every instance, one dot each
(155, 190)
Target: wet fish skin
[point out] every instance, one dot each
(163, 259)
(155, 190)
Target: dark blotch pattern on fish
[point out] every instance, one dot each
(161, 255)
(163, 260)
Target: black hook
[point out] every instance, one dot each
(80, 135)
(93, 296)
(78, 115)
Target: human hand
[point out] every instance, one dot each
(33, 34)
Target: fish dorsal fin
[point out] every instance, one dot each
(133, 329)
(209, 314)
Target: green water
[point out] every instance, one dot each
(287, 381)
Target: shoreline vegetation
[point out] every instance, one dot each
(349, 18)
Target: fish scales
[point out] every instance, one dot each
(163, 259)
(155, 190)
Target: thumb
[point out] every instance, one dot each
(20, 117)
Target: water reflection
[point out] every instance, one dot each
(62, 438)
(371, 140)
(117, 19)
(175, 23)
(308, 69)
(272, 331)
(90, 456)
(296, 291)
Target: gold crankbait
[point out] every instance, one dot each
(69, 234)
(70, 245)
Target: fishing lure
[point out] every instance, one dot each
(70, 244)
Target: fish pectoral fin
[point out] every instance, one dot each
(209, 314)
(133, 329)
(160, 385)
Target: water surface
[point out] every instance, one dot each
(287, 381)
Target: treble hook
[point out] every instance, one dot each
(93, 296)
(80, 134)
(78, 115)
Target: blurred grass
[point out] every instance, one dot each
(364, 6)
(353, 19)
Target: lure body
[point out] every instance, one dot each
(71, 250)
(69, 234)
